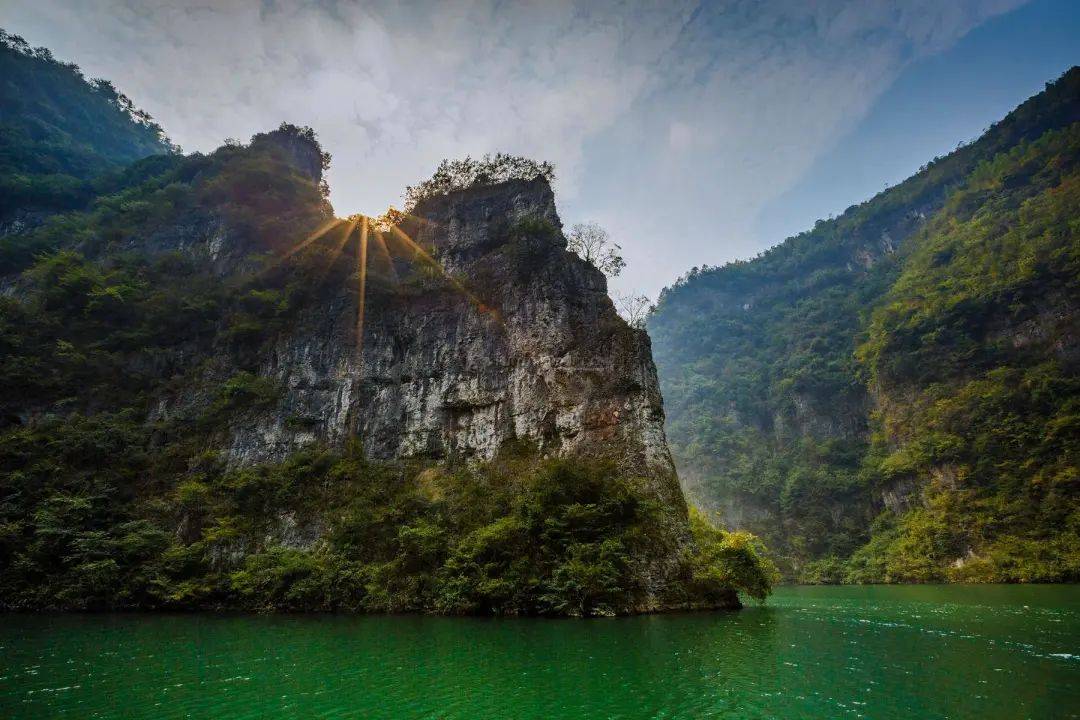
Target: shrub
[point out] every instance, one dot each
(720, 561)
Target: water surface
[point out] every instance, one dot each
(877, 652)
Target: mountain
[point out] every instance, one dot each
(218, 395)
(61, 135)
(892, 396)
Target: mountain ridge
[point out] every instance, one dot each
(770, 413)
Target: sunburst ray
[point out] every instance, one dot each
(318, 233)
(435, 264)
(384, 252)
(362, 267)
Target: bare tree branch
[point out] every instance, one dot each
(634, 309)
(592, 244)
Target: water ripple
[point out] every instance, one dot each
(813, 652)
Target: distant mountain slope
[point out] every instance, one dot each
(801, 386)
(59, 131)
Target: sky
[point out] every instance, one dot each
(695, 132)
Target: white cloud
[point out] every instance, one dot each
(391, 89)
(681, 136)
(672, 122)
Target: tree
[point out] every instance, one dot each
(719, 561)
(454, 175)
(634, 309)
(592, 244)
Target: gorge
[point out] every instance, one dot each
(265, 456)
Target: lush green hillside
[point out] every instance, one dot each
(59, 131)
(892, 395)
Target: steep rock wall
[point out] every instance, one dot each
(514, 339)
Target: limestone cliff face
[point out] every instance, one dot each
(514, 339)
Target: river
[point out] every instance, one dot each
(811, 652)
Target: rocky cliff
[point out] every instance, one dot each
(511, 338)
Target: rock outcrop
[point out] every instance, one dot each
(512, 338)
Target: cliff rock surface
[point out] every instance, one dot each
(513, 338)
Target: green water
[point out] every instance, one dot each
(875, 652)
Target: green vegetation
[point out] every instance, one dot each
(892, 396)
(719, 559)
(461, 174)
(976, 331)
(97, 301)
(62, 137)
(102, 507)
(99, 519)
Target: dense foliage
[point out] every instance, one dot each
(59, 132)
(889, 396)
(978, 335)
(461, 174)
(101, 508)
(92, 522)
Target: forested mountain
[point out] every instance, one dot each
(216, 394)
(60, 133)
(894, 395)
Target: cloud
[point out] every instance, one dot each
(753, 94)
(390, 88)
(673, 123)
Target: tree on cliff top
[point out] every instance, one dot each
(592, 244)
(454, 175)
(634, 309)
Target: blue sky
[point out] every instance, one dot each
(696, 131)
(931, 106)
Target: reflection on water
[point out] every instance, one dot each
(878, 652)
